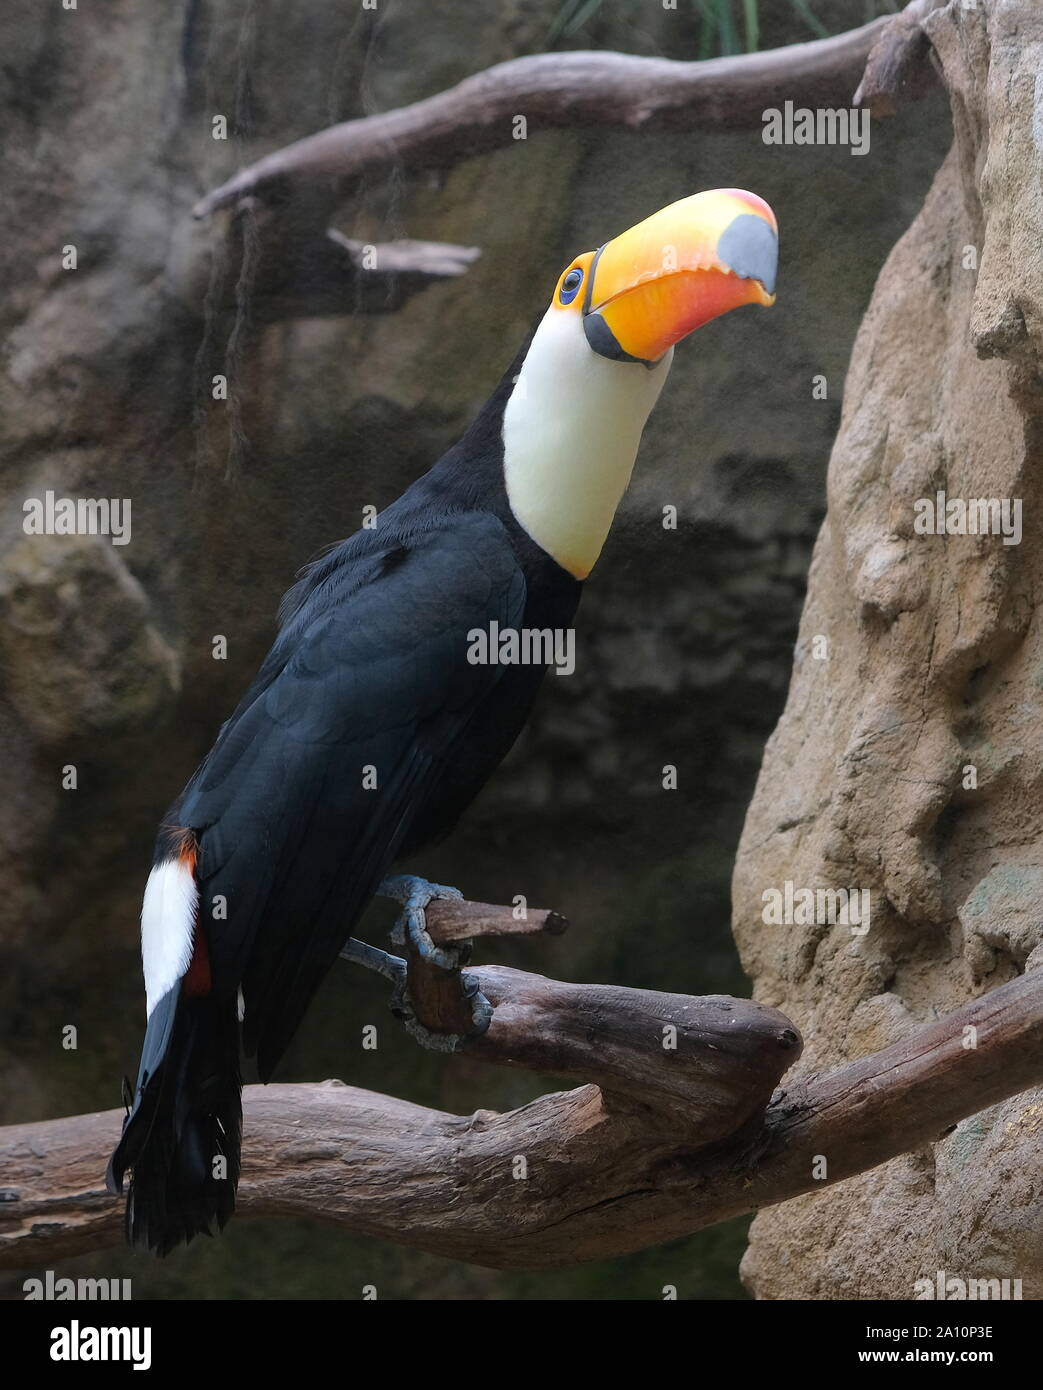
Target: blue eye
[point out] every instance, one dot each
(570, 285)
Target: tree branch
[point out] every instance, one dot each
(660, 1142)
(301, 268)
(899, 68)
(554, 90)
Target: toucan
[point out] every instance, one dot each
(369, 727)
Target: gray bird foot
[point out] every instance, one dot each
(414, 894)
(481, 1014)
(393, 968)
(372, 958)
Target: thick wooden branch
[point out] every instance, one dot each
(555, 90)
(701, 1064)
(576, 1175)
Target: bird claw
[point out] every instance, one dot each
(481, 1015)
(414, 894)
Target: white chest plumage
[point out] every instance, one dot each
(571, 432)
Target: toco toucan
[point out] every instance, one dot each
(368, 730)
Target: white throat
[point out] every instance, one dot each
(571, 431)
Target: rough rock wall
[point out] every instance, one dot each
(909, 759)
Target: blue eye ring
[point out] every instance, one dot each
(570, 286)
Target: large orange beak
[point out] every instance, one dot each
(681, 267)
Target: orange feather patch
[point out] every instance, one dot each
(196, 979)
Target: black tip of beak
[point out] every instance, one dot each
(750, 248)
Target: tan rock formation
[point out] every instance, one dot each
(908, 759)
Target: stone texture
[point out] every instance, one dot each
(932, 667)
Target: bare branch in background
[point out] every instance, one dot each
(565, 90)
(300, 268)
(306, 269)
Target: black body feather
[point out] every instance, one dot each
(369, 671)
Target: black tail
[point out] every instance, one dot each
(183, 1136)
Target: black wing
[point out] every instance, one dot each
(371, 673)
